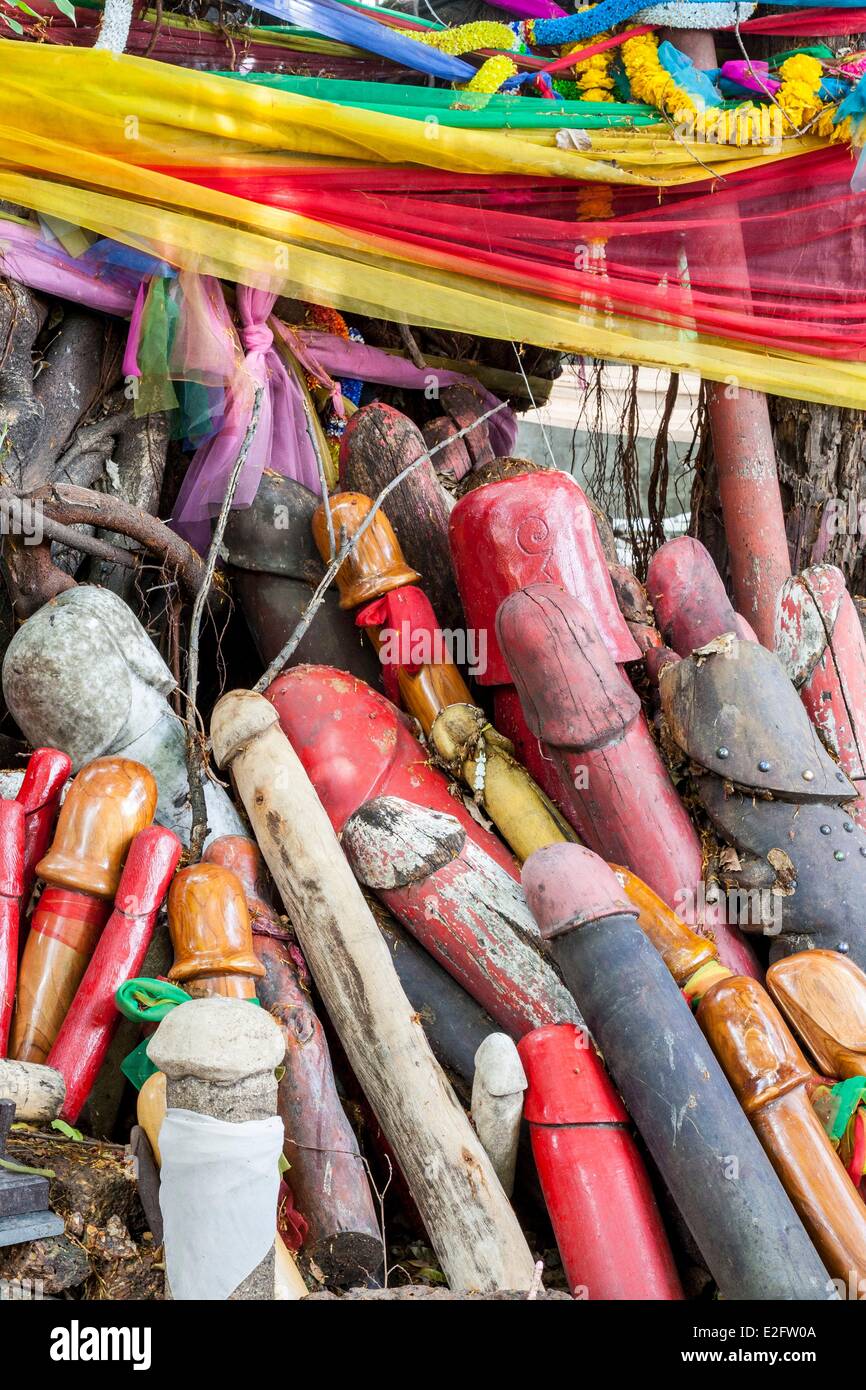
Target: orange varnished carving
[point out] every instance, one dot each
(109, 801)
(376, 565)
(768, 1073)
(823, 996)
(210, 931)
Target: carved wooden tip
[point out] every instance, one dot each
(210, 929)
(823, 996)
(44, 778)
(567, 885)
(237, 718)
(377, 564)
(752, 1042)
(109, 802)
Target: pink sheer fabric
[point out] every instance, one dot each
(281, 441)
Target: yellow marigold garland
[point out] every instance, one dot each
(800, 98)
(465, 38)
(593, 77)
(469, 38)
(491, 75)
(652, 83)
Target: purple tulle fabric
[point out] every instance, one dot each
(281, 441)
(341, 357)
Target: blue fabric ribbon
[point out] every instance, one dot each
(337, 22)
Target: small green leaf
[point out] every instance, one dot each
(279, 1072)
(66, 7)
(13, 25)
(68, 1130)
(283, 1164)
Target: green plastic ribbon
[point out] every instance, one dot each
(849, 1094)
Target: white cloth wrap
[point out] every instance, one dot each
(681, 15)
(218, 1196)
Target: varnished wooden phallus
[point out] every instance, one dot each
(210, 931)
(109, 802)
(769, 1074)
(823, 996)
(376, 565)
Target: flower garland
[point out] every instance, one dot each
(594, 82)
(650, 82)
(469, 38)
(799, 96)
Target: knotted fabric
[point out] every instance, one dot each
(281, 441)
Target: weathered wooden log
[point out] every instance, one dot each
(768, 1073)
(471, 1225)
(740, 1217)
(80, 1047)
(49, 685)
(462, 906)
(377, 444)
(109, 802)
(326, 1174)
(497, 1104)
(38, 1092)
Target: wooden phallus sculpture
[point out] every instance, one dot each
(820, 643)
(377, 444)
(81, 1045)
(83, 676)
(689, 598)
(45, 776)
(747, 1230)
(589, 719)
(605, 1219)
(12, 849)
(424, 680)
(531, 527)
(326, 1173)
(210, 931)
(470, 1223)
(109, 802)
(411, 842)
(769, 1074)
(376, 563)
(770, 1077)
(276, 567)
(823, 996)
